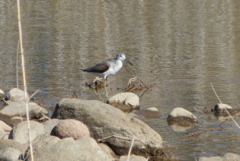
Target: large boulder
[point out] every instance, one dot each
(18, 109)
(125, 101)
(181, 117)
(68, 149)
(71, 128)
(19, 132)
(111, 125)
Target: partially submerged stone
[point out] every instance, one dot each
(110, 123)
(71, 128)
(150, 112)
(220, 110)
(180, 116)
(125, 101)
(2, 95)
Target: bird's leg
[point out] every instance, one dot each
(105, 89)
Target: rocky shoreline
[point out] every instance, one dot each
(84, 130)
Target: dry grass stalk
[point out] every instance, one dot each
(224, 107)
(24, 78)
(130, 150)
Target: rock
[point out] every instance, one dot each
(177, 128)
(181, 117)
(132, 158)
(125, 101)
(150, 112)
(226, 157)
(44, 140)
(19, 132)
(49, 125)
(2, 95)
(84, 149)
(219, 110)
(105, 121)
(12, 144)
(2, 133)
(4, 126)
(18, 109)
(9, 154)
(213, 158)
(207, 110)
(15, 94)
(231, 157)
(108, 150)
(71, 128)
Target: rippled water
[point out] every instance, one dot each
(177, 46)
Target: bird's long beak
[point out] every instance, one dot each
(127, 61)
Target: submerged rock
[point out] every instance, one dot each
(150, 112)
(181, 117)
(71, 128)
(111, 125)
(125, 101)
(220, 110)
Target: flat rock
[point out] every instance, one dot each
(71, 128)
(68, 149)
(104, 121)
(19, 132)
(18, 109)
(180, 116)
(125, 101)
(44, 140)
(9, 154)
(132, 158)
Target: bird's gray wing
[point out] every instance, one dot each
(99, 68)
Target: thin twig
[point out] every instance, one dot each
(224, 107)
(33, 94)
(130, 150)
(24, 78)
(118, 137)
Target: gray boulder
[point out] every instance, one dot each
(18, 109)
(9, 154)
(19, 132)
(181, 117)
(68, 149)
(105, 121)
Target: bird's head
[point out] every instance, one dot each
(122, 57)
